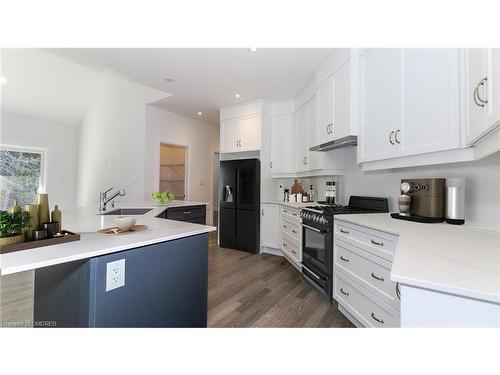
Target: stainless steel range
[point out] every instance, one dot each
(317, 237)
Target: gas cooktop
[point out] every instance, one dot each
(357, 205)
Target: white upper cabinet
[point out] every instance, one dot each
(229, 135)
(241, 127)
(342, 102)
(282, 143)
(324, 99)
(301, 142)
(482, 92)
(429, 105)
(250, 130)
(378, 88)
(409, 102)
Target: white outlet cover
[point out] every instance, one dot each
(115, 274)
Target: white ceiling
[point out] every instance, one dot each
(206, 79)
(40, 84)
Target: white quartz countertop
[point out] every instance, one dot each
(457, 259)
(86, 221)
(292, 204)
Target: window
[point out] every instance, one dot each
(21, 175)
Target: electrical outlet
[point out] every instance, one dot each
(115, 274)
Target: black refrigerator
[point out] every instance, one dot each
(239, 221)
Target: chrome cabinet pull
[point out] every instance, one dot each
(481, 83)
(262, 212)
(377, 243)
(293, 231)
(474, 95)
(294, 252)
(344, 231)
(284, 244)
(378, 320)
(396, 136)
(376, 277)
(398, 290)
(187, 212)
(342, 291)
(344, 259)
(294, 214)
(305, 162)
(271, 164)
(390, 137)
(284, 226)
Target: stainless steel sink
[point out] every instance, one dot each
(129, 211)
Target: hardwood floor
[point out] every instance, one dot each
(248, 290)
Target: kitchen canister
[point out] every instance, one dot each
(455, 201)
(43, 208)
(33, 222)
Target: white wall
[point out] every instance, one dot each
(112, 139)
(61, 145)
(201, 139)
(482, 205)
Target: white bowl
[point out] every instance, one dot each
(125, 223)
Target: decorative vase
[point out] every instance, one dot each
(4, 241)
(56, 216)
(15, 207)
(43, 208)
(33, 222)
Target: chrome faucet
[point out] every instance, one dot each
(103, 199)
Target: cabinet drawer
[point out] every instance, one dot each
(290, 213)
(291, 249)
(377, 242)
(368, 270)
(365, 307)
(292, 229)
(186, 213)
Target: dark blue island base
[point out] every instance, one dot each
(166, 285)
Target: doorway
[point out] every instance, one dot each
(173, 163)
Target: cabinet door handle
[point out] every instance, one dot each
(293, 251)
(294, 214)
(344, 259)
(481, 83)
(187, 212)
(376, 277)
(378, 320)
(390, 137)
(344, 231)
(262, 212)
(284, 226)
(342, 291)
(398, 291)
(306, 160)
(293, 231)
(396, 136)
(271, 164)
(377, 243)
(284, 244)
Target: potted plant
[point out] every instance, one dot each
(12, 226)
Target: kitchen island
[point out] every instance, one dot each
(165, 272)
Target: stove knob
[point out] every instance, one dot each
(323, 220)
(316, 218)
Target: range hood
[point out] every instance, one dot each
(350, 140)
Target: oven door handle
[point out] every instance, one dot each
(315, 229)
(311, 272)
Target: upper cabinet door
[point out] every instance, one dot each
(282, 143)
(429, 115)
(230, 135)
(324, 97)
(314, 158)
(342, 102)
(250, 133)
(378, 98)
(301, 142)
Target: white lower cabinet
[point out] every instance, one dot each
(362, 267)
(291, 235)
(270, 232)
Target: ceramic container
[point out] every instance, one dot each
(33, 222)
(43, 208)
(40, 234)
(125, 223)
(56, 216)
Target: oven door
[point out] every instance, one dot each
(317, 248)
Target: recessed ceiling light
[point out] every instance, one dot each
(237, 96)
(3, 80)
(253, 49)
(200, 113)
(169, 79)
